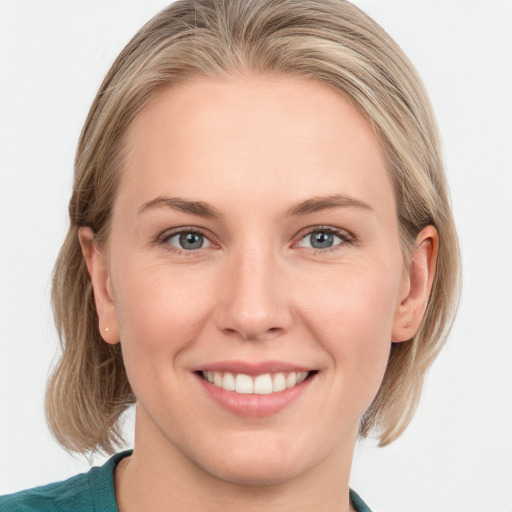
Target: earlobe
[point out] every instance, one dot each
(418, 279)
(102, 286)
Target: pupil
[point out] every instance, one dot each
(321, 240)
(191, 241)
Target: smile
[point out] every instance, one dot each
(255, 389)
(264, 384)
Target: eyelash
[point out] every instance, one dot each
(346, 238)
(164, 239)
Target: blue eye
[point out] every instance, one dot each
(188, 241)
(321, 239)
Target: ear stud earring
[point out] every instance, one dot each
(107, 329)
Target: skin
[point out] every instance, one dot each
(253, 148)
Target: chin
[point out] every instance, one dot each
(259, 462)
(255, 473)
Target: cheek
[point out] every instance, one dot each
(352, 317)
(160, 314)
(159, 309)
(353, 303)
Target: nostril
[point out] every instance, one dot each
(253, 323)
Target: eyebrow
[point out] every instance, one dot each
(206, 210)
(183, 205)
(317, 204)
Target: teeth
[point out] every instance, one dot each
(291, 380)
(217, 379)
(228, 382)
(279, 382)
(301, 377)
(263, 384)
(259, 385)
(244, 384)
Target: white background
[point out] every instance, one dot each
(457, 453)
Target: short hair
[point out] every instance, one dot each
(331, 41)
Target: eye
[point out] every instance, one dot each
(188, 241)
(323, 239)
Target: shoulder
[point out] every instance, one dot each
(87, 492)
(358, 504)
(71, 494)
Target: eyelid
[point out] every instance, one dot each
(165, 236)
(346, 236)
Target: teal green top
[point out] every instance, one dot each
(88, 492)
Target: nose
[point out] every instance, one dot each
(253, 300)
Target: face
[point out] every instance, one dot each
(253, 275)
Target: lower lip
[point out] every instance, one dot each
(253, 405)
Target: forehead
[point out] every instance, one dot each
(250, 135)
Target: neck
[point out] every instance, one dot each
(158, 477)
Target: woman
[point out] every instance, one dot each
(261, 256)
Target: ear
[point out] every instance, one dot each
(101, 283)
(416, 286)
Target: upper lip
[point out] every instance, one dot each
(253, 368)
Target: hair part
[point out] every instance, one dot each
(327, 40)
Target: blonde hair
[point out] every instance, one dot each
(327, 40)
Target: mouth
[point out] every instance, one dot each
(263, 384)
(255, 390)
